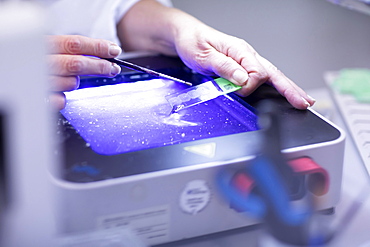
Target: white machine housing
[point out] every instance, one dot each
(183, 202)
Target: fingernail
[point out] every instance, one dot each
(240, 76)
(115, 70)
(306, 102)
(311, 98)
(114, 50)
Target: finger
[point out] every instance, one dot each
(250, 76)
(239, 65)
(64, 83)
(226, 67)
(247, 57)
(71, 65)
(286, 87)
(80, 45)
(57, 101)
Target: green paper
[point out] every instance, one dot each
(355, 82)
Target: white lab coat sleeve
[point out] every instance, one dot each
(91, 18)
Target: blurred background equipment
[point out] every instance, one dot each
(362, 6)
(25, 148)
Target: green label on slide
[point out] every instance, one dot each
(227, 86)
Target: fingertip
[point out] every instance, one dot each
(240, 77)
(298, 100)
(64, 83)
(115, 70)
(306, 104)
(307, 101)
(301, 103)
(114, 50)
(311, 100)
(71, 83)
(77, 85)
(57, 101)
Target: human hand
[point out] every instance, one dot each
(71, 56)
(211, 52)
(151, 26)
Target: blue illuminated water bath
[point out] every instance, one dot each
(128, 117)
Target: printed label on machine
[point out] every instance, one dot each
(195, 196)
(150, 224)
